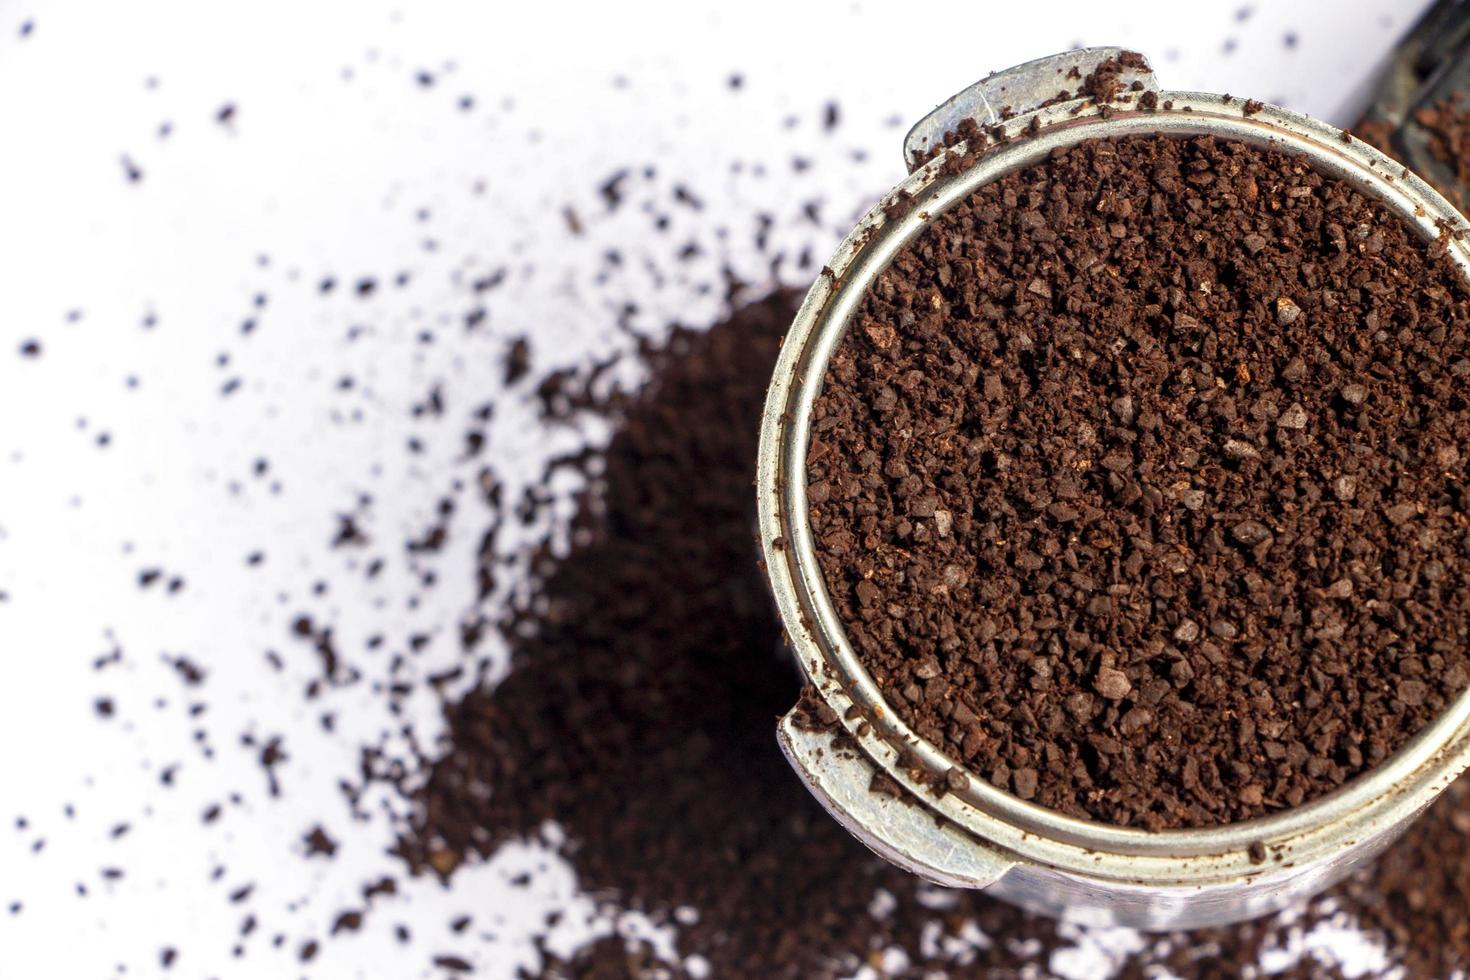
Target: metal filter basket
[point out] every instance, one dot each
(980, 836)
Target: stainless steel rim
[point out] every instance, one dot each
(1374, 802)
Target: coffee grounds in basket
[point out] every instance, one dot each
(1137, 482)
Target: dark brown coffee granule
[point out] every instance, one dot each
(1137, 482)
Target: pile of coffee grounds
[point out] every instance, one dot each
(1137, 482)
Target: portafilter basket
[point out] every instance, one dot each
(980, 836)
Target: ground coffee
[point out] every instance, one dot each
(678, 803)
(1137, 482)
(639, 713)
(764, 883)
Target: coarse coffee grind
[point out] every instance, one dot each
(1136, 482)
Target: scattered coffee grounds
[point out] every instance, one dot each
(1411, 902)
(1417, 895)
(1447, 125)
(1137, 482)
(1104, 84)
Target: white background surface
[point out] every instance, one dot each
(333, 149)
